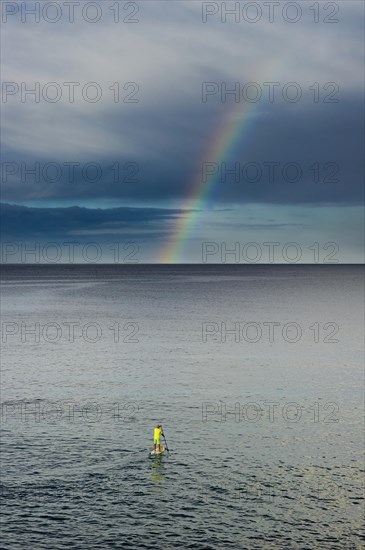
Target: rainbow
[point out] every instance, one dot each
(238, 121)
(235, 124)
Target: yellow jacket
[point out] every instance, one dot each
(157, 433)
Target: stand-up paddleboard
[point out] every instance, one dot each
(156, 453)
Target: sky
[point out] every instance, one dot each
(172, 132)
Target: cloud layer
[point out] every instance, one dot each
(152, 152)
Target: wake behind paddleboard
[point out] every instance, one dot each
(156, 453)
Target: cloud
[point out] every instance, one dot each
(34, 234)
(169, 61)
(323, 141)
(170, 132)
(59, 223)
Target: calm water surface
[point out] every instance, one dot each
(256, 373)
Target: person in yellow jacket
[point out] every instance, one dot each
(157, 432)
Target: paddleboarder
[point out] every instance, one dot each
(158, 431)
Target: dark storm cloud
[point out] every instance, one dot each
(168, 132)
(57, 223)
(315, 152)
(159, 145)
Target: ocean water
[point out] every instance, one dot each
(256, 373)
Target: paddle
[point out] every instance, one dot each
(163, 435)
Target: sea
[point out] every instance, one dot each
(254, 371)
